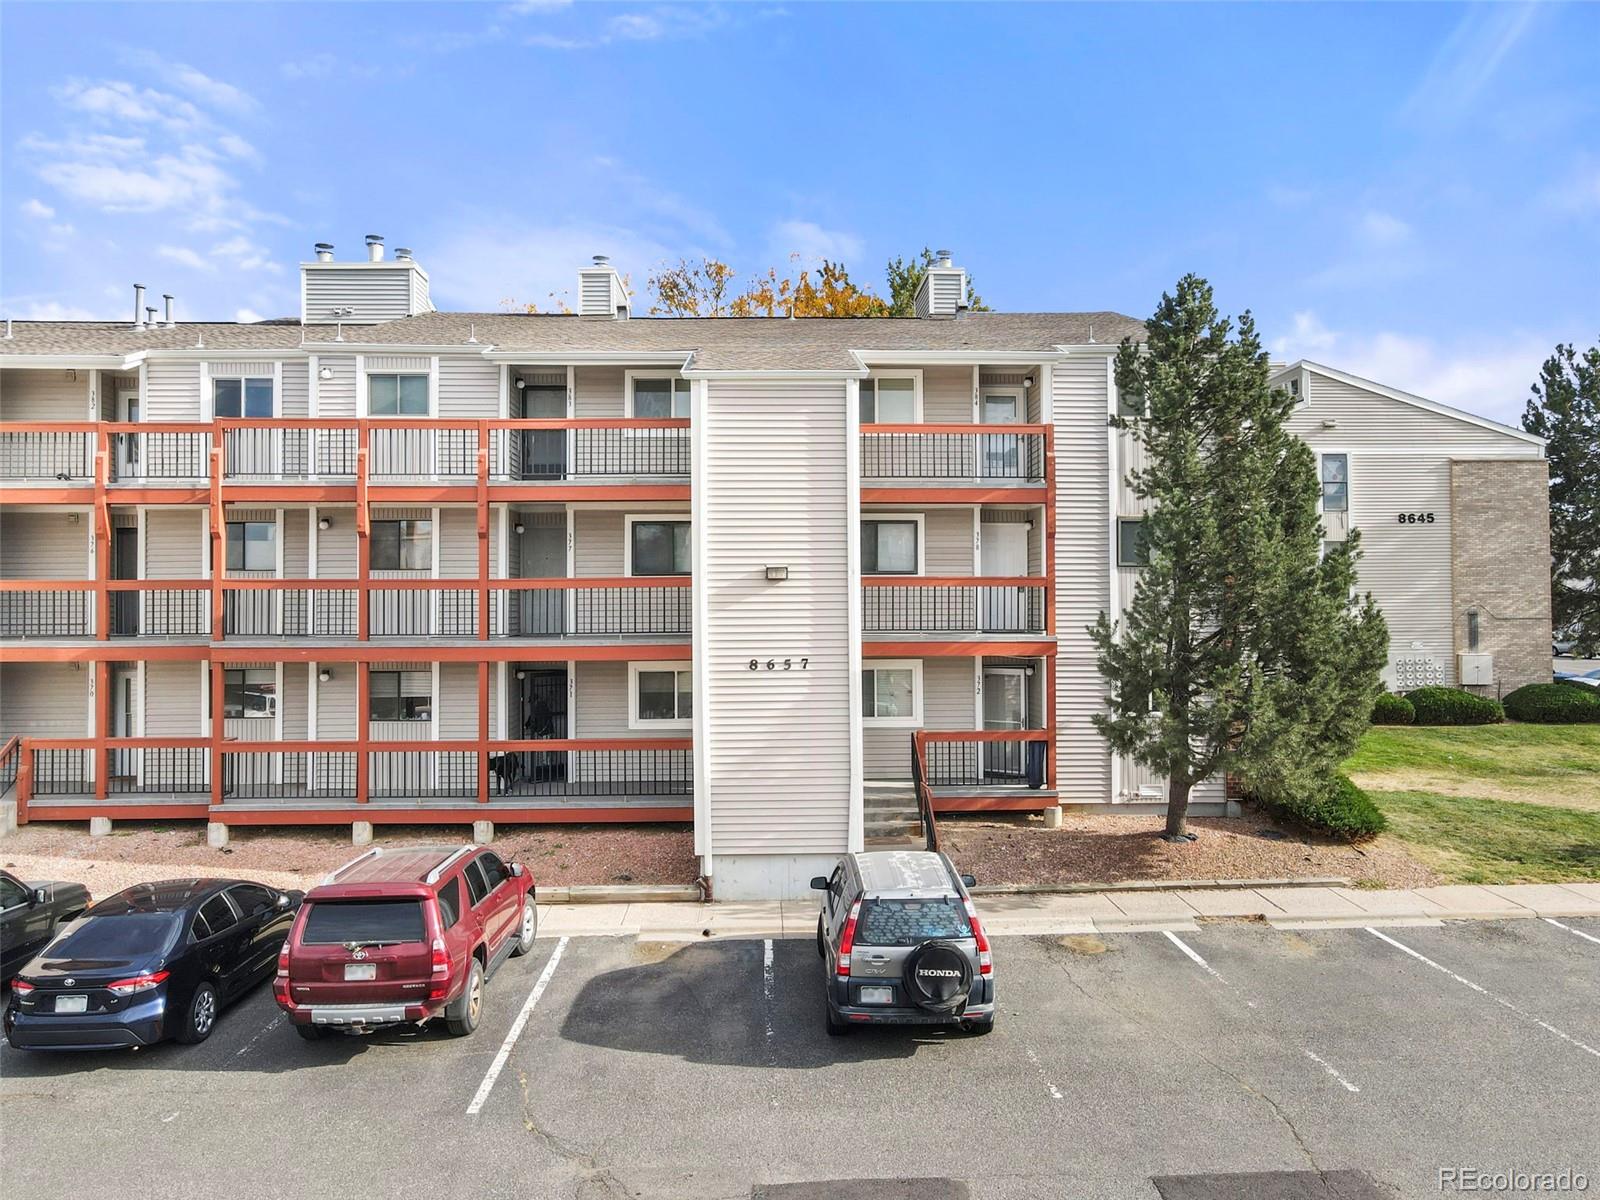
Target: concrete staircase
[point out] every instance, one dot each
(890, 816)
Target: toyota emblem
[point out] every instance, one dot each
(68, 982)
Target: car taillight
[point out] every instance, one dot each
(985, 959)
(847, 939)
(139, 983)
(441, 971)
(21, 987)
(280, 981)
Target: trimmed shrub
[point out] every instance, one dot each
(1452, 706)
(1552, 704)
(1393, 710)
(1335, 806)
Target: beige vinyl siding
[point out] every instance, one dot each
(172, 391)
(457, 705)
(1406, 567)
(947, 395)
(43, 395)
(47, 700)
(296, 543)
(336, 704)
(1079, 385)
(468, 388)
(110, 386)
(598, 542)
(336, 396)
(175, 544)
(175, 699)
(599, 392)
(294, 399)
(257, 369)
(601, 694)
(776, 490)
(336, 546)
(380, 293)
(292, 703)
(1366, 419)
(948, 702)
(458, 543)
(44, 545)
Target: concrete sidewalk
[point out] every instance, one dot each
(1104, 912)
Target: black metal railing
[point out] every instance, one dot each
(981, 763)
(157, 454)
(161, 612)
(158, 771)
(59, 772)
(46, 613)
(953, 608)
(544, 454)
(1000, 456)
(35, 454)
(576, 773)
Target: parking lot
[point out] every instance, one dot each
(701, 1070)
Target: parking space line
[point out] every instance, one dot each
(1588, 937)
(261, 1033)
(1483, 991)
(1197, 960)
(515, 1032)
(1330, 1069)
(768, 985)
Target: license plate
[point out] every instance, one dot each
(877, 995)
(72, 1004)
(354, 972)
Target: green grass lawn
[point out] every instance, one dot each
(1490, 803)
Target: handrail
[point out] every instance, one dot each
(924, 793)
(950, 427)
(8, 763)
(954, 581)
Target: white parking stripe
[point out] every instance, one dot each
(268, 1028)
(1200, 962)
(768, 985)
(1588, 937)
(1330, 1069)
(1483, 991)
(499, 1062)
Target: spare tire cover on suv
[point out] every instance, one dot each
(938, 976)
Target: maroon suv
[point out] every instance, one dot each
(404, 935)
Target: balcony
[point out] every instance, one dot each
(894, 604)
(148, 608)
(946, 455)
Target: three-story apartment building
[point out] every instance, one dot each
(382, 564)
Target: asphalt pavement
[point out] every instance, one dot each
(1235, 1060)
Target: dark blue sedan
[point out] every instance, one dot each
(157, 961)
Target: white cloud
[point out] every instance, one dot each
(37, 209)
(1382, 229)
(116, 100)
(211, 91)
(479, 270)
(184, 257)
(1378, 248)
(1487, 376)
(247, 316)
(245, 255)
(53, 310)
(236, 147)
(1467, 60)
(811, 243)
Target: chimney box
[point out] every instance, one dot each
(364, 292)
(601, 292)
(943, 290)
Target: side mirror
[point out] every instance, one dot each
(517, 870)
(282, 901)
(38, 896)
(969, 881)
(819, 883)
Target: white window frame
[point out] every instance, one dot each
(914, 721)
(677, 667)
(1117, 549)
(913, 374)
(241, 380)
(922, 544)
(273, 709)
(631, 519)
(1321, 483)
(366, 396)
(633, 377)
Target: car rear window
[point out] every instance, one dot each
(907, 922)
(331, 922)
(128, 935)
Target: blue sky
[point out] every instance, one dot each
(1409, 192)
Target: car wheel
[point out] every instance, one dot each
(979, 1028)
(313, 1033)
(528, 930)
(462, 1017)
(835, 1027)
(201, 1017)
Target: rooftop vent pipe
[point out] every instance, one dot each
(167, 319)
(375, 247)
(324, 251)
(138, 306)
(944, 258)
(602, 260)
(402, 253)
(150, 310)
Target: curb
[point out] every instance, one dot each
(1154, 885)
(635, 893)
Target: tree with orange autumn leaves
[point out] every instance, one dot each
(701, 289)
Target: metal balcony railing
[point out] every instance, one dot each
(1009, 454)
(925, 604)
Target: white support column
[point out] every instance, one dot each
(699, 432)
(856, 831)
(1113, 579)
(570, 604)
(435, 597)
(312, 517)
(311, 723)
(277, 719)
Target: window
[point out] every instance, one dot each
(241, 397)
(658, 547)
(395, 697)
(12, 893)
(1335, 483)
(252, 546)
(891, 694)
(214, 917)
(658, 397)
(892, 400)
(661, 696)
(890, 547)
(402, 545)
(1472, 629)
(1129, 403)
(476, 887)
(250, 693)
(450, 903)
(397, 395)
(911, 922)
(1131, 550)
(366, 922)
(252, 898)
(494, 871)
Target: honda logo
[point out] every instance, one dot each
(939, 973)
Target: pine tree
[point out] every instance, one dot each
(1565, 410)
(1230, 651)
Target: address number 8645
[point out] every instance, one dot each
(1414, 518)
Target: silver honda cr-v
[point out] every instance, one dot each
(902, 944)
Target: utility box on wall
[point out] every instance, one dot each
(1475, 670)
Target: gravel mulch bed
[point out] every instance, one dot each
(1117, 849)
(558, 855)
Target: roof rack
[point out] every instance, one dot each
(333, 875)
(440, 868)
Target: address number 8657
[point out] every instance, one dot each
(779, 664)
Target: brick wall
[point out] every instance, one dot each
(1500, 565)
